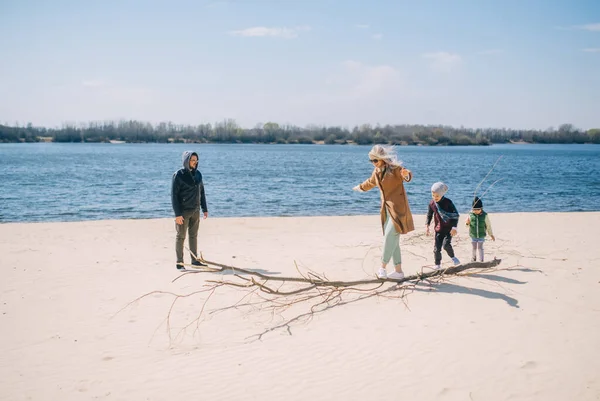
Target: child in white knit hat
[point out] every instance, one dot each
(445, 216)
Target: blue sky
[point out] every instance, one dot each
(515, 64)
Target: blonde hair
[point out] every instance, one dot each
(385, 153)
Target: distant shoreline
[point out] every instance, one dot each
(348, 143)
(118, 132)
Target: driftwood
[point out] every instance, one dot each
(298, 299)
(322, 281)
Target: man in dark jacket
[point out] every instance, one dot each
(187, 197)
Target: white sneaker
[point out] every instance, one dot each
(456, 261)
(396, 276)
(437, 267)
(382, 273)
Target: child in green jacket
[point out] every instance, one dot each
(479, 224)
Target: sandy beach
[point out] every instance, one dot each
(529, 330)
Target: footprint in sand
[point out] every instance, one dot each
(529, 365)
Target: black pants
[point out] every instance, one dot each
(442, 240)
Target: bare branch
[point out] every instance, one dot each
(317, 295)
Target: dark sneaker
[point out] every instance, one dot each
(179, 267)
(198, 263)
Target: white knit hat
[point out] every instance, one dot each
(439, 188)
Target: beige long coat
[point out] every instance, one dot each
(393, 197)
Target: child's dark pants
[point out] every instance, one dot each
(442, 240)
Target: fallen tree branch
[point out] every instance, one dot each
(266, 293)
(318, 281)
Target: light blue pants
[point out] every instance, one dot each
(391, 243)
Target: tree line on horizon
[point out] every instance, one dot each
(228, 131)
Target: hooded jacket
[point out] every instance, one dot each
(187, 188)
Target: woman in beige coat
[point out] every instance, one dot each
(396, 218)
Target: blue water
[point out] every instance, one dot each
(66, 182)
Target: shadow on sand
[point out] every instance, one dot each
(450, 288)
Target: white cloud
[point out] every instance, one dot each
(590, 27)
(357, 93)
(262, 31)
(362, 26)
(443, 61)
(490, 52)
(592, 50)
(351, 65)
(357, 80)
(375, 79)
(377, 36)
